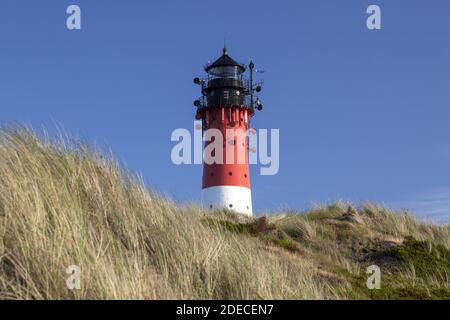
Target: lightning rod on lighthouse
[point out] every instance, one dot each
(227, 104)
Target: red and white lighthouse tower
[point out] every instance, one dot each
(227, 105)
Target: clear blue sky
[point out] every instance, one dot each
(363, 115)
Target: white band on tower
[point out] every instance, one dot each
(234, 198)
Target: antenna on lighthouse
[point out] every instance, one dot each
(251, 67)
(254, 88)
(225, 50)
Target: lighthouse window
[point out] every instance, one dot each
(245, 175)
(230, 173)
(231, 206)
(211, 206)
(238, 93)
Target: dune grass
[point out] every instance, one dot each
(63, 204)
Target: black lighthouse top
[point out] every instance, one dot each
(226, 85)
(225, 66)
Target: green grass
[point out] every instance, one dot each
(239, 228)
(257, 228)
(427, 258)
(286, 244)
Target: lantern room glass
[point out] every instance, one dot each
(232, 72)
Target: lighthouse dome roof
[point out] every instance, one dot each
(225, 62)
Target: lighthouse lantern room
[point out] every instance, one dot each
(227, 104)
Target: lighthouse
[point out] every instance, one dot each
(226, 106)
